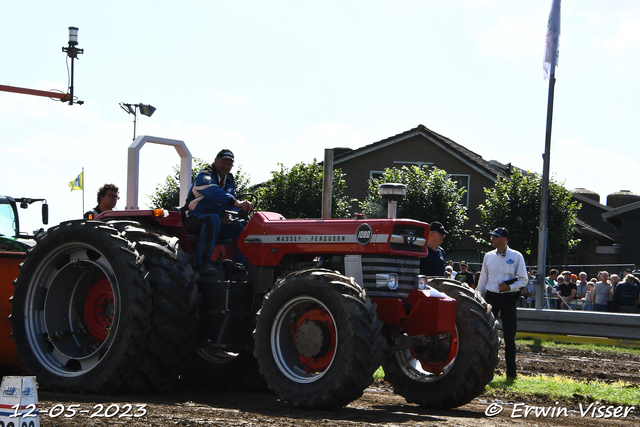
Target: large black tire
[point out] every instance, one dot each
(176, 302)
(86, 316)
(473, 366)
(318, 339)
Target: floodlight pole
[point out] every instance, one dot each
(133, 109)
(135, 121)
(72, 52)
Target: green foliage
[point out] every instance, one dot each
(168, 193)
(297, 193)
(514, 203)
(431, 196)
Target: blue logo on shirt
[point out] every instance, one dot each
(510, 261)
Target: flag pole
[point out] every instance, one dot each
(549, 66)
(544, 203)
(82, 191)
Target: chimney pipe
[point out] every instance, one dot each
(392, 192)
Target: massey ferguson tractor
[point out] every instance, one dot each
(114, 304)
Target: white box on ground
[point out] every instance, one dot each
(19, 402)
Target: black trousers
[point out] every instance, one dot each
(504, 304)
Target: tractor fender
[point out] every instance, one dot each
(425, 312)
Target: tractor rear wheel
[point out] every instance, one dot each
(176, 304)
(85, 312)
(467, 375)
(318, 339)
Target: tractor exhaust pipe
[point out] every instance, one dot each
(392, 193)
(327, 183)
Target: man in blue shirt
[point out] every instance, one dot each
(213, 191)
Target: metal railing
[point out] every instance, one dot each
(580, 323)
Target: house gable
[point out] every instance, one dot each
(420, 146)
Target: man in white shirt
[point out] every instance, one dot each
(503, 273)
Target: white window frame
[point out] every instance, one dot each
(465, 201)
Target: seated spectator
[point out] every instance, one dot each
(625, 295)
(567, 291)
(558, 299)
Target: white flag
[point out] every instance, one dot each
(552, 40)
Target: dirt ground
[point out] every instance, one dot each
(379, 406)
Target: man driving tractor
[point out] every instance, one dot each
(211, 194)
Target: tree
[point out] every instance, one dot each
(514, 203)
(168, 193)
(431, 196)
(297, 193)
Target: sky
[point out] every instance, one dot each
(278, 82)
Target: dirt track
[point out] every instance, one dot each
(190, 406)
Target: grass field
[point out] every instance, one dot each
(558, 387)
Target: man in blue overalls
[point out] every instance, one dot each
(213, 191)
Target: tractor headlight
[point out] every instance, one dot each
(422, 282)
(387, 280)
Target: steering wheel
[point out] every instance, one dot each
(242, 214)
(251, 197)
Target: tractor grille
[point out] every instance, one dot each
(407, 268)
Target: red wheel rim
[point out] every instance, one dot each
(99, 310)
(323, 323)
(436, 368)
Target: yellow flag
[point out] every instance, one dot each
(78, 183)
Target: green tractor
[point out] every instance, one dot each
(11, 238)
(13, 248)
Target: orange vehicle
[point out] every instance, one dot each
(13, 248)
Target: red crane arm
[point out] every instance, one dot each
(64, 97)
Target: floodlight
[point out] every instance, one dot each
(147, 110)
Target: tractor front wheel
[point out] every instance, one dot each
(318, 339)
(466, 376)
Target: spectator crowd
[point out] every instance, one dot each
(567, 290)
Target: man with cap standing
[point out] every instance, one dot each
(465, 276)
(435, 262)
(503, 273)
(213, 191)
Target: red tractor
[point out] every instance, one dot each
(114, 304)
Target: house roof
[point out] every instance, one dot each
(584, 199)
(613, 216)
(465, 155)
(582, 227)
